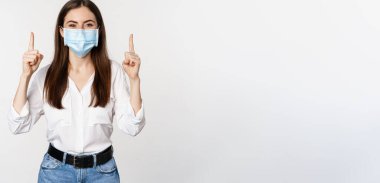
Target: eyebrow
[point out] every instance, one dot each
(72, 21)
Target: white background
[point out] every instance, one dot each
(265, 91)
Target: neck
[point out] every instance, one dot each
(79, 64)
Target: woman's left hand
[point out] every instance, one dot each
(131, 63)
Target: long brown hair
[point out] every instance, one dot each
(57, 75)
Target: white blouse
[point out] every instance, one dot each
(78, 128)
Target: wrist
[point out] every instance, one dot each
(26, 76)
(135, 80)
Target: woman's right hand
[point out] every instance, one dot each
(31, 58)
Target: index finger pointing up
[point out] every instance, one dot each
(31, 42)
(131, 46)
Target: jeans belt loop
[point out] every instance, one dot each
(64, 158)
(94, 155)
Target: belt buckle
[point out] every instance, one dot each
(76, 161)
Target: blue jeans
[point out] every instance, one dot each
(55, 171)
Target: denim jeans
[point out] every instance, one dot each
(55, 171)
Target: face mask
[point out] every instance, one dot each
(81, 41)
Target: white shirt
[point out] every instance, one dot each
(78, 128)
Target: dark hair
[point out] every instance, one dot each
(56, 80)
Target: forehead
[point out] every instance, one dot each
(80, 14)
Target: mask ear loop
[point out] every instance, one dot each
(98, 36)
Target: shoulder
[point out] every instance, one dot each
(116, 69)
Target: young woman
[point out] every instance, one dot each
(81, 93)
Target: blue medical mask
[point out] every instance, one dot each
(81, 41)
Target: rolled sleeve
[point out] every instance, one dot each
(128, 121)
(22, 116)
(22, 122)
(139, 115)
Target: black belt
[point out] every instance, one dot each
(82, 161)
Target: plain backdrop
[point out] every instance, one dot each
(265, 91)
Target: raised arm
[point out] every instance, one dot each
(27, 105)
(31, 60)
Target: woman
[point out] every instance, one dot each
(80, 93)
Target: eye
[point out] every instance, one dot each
(71, 25)
(90, 25)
